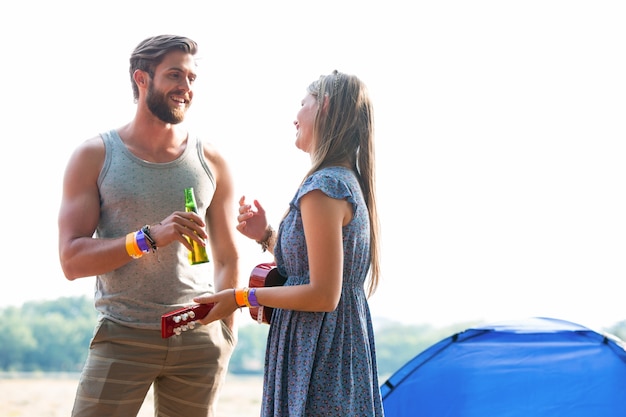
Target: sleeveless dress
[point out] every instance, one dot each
(323, 363)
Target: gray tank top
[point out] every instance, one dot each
(134, 192)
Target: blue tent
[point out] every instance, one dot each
(530, 368)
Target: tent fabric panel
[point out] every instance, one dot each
(578, 373)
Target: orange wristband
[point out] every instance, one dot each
(131, 246)
(239, 297)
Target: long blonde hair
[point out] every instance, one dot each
(343, 133)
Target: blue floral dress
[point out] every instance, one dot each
(317, 363)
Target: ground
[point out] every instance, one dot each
(53, 396)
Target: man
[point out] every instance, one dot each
(122, 219)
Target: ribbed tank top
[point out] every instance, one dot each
(134, 192)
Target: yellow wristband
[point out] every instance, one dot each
(239, 297)
(245, 296)
(131, 246)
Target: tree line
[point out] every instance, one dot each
(53, 336)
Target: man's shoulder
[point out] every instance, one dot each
(210, 150)
(92, 144)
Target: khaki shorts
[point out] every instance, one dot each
(187, 371)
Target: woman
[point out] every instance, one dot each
(320, 356)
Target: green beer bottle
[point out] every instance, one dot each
(198, 253)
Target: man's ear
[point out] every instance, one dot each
(141, 78)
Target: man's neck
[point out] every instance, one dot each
(154, 140)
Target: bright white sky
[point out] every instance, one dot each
(500, 136)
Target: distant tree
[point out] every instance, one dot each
(249, 354)
(17, 341)
(397, 343)
(54, 337)
(62, 344)
(68, 307)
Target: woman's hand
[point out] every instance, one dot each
(224, 305)
(252, 223)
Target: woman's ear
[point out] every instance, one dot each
(325, 103)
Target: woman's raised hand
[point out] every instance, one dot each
(251, 221)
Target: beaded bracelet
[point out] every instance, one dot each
(146, 232)
(265, 243)
(131, 246)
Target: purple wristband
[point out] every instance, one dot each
(252, 298)
(141, 241)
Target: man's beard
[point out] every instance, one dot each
(159, 106)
